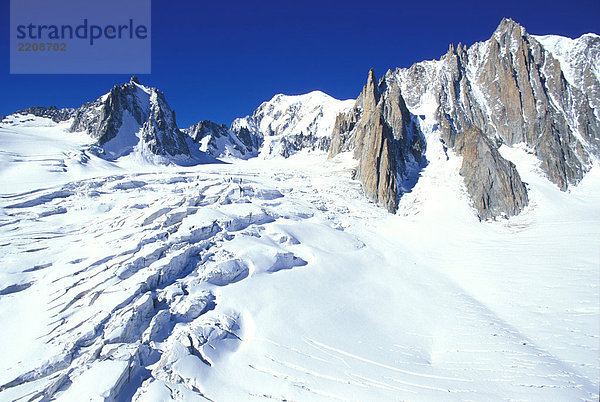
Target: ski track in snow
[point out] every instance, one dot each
(278, 280)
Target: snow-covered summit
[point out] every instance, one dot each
(289, 123)
(580, 62)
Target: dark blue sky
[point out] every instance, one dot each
(220, 61)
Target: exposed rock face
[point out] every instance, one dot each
(287, 124)
(384, 138)
(493, 182)
(134, 110)
(218, 141)
(515, 91)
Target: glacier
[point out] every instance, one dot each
(245, 262)
(255, 280)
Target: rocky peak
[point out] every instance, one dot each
(204, 128)
(370, 93)
(508, 27)
(133, 111)
(380, 132)
(513, 90)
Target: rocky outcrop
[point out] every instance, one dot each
(492, 182)
(204, 128)
(535, 104)
(385, 140)
(129, 115)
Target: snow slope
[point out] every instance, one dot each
(258, 280)
(36, 152)
(574, 54)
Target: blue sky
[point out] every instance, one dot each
(220, 61)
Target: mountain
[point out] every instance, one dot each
(218, 141)
(131, 115)
(508, 90)
(279, 127)
(287, 124)
(130, 118)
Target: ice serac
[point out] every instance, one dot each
(386, 142)
(219, 141)
(131, 115)
(288, 124)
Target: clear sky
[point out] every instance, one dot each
(219, 60)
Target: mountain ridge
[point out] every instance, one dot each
(543, 91)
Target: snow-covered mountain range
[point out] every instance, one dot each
(139, 266)
(279, 127)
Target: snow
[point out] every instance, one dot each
(99, 383)
(36, 152)
(277, 279)
(571, 53)
(126, 139)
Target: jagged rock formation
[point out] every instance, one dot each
(507, 90)
(130, 115)
(384, 138)
(287, 124)
(218, 141)
(136, 110)
(515, 91)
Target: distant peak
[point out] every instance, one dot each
(134, 80)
